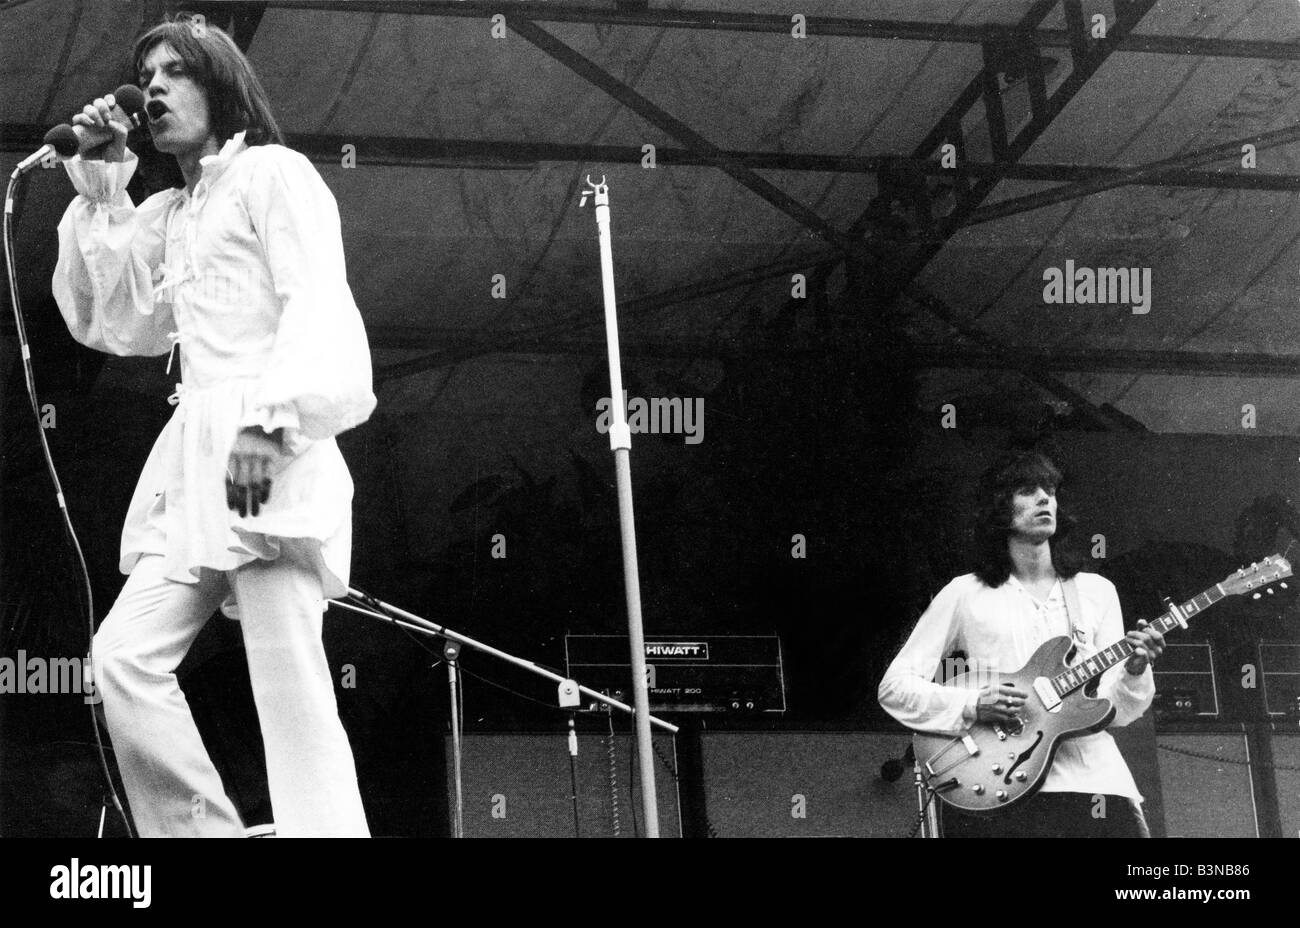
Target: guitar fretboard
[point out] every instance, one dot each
(1094, 666)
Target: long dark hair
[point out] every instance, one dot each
(236, 99)
(1013, 471)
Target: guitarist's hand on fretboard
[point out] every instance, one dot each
(999, 703)
(1147, 644)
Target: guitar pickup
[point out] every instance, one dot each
(1043, 687)
(971, 747)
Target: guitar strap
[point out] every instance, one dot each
(1073, 611)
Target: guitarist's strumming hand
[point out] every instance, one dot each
(1000, 703)
(1147, 644)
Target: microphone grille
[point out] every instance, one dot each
(130, 99)
(63, 139)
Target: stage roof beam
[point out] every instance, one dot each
(1155, 362)
(1130, 175)
(661, 119)
(589, 317)
(779, 23)
(1247, 365)
(486, 155)
(896, 260)
(1017, 359)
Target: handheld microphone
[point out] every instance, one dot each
(129, 108)
(66, 141)
(892, 769)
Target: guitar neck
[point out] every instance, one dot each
(1092, 667)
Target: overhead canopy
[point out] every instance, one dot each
(503, 130)
(744, 146)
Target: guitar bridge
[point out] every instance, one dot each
(965, 741)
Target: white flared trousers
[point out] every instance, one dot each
(171, 784)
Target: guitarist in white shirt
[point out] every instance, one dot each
(998, 616)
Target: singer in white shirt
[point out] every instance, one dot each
(998, 617)
(244, 503)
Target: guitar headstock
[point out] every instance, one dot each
(1273, 568)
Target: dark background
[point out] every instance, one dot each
(884, 519)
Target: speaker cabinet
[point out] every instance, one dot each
(1211, 795)
(805, 784)
(1137, 745)
(1185, 682)
(1279, 664)
(520, 786)
(1286, 760)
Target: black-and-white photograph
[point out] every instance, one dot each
(651, 418)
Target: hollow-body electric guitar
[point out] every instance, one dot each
(993, 765)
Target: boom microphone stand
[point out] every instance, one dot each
(570, 692)
(926, 801)
(451, 655)
(927, 810)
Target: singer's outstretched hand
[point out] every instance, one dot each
(98, 115)
(254, 459)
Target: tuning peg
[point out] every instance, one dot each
(1282, 584)
(1269, 591)
(1255, 596)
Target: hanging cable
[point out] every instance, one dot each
(613, 779)
(25, 352)
(631, 782)
(573, 775)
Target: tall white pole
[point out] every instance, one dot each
(620, 442)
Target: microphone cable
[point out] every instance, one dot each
(26, 354)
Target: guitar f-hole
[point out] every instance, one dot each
(1024, 756)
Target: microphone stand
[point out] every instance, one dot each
(9, 235)
(927, 811)
(450, 654)
(926, 805)
(569, 691)
(620, 443)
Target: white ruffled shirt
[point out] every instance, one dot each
(999, 629)
(245, 279)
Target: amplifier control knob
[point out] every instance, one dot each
(997, 768)
(1021, 776)
(978, 789)
(1002, 795)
